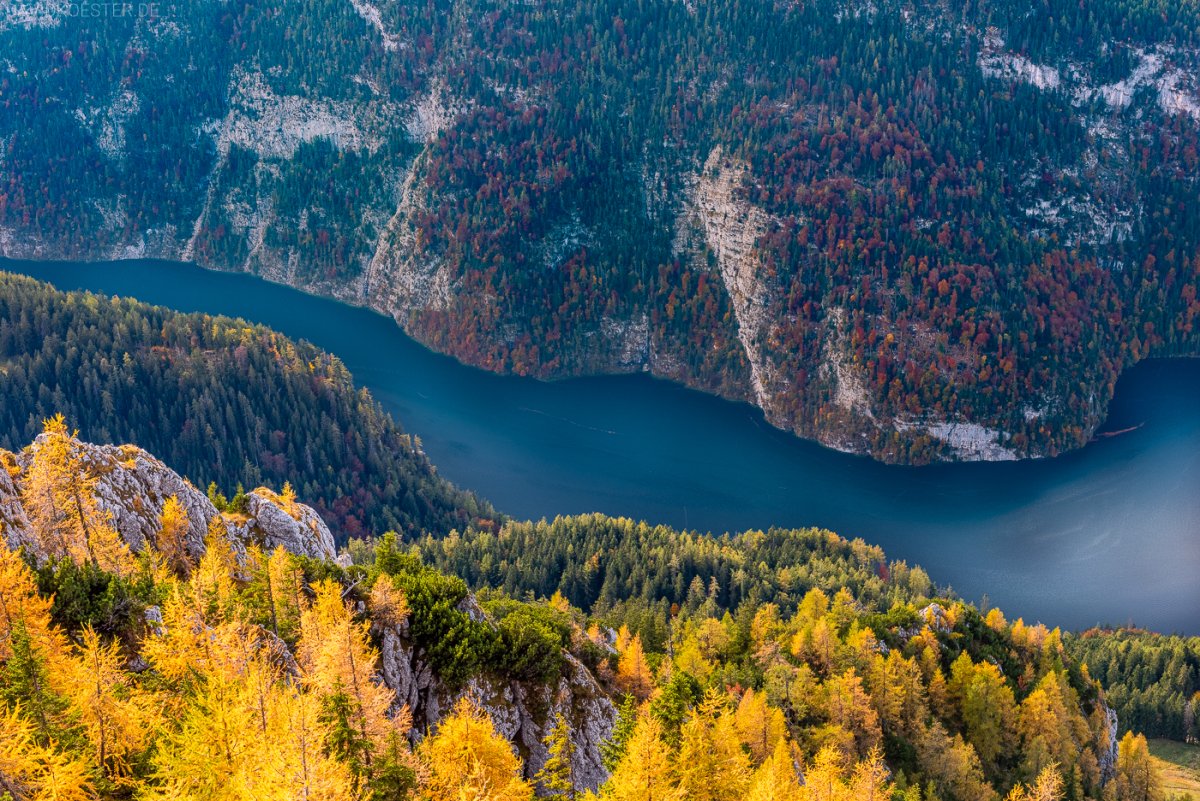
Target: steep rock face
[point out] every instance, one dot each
(273, 523)
(730, 228)
(404, 277)
(132, 486)
(14, 523)
(1108, 754)
(522, 713)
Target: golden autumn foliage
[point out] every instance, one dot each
(468, 760)
(1136, 779)
(633, 671)
(760, 726)
(1047, 787)
(338, 665)
(711, 764)
(60, 501)
(776, 779)
(646, 772)
(116, 717)
(172, 536)
(22, 606)
(30, 770)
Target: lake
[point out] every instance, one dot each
(1107, 534)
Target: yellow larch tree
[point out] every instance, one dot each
(181, 650)
(21, 605)
(711, 765)
(951, 763)
(759, 725)
(388, 604)
(848, 706)
(775, 779)
(246, 730)
(32, 650)
(287, 592)
(29, 770)
(824, 780)
(1136, 778)
(645, 772)
(467, 760)
(987, 707)
(298, 764)
(59, 497)
(213, 582)
(18, 754)
(831, 778)
(1049, 733)
(1047, 787)
(897, 691)
(690, 660)
(287, 499)
(869, 780)
(633, 672)
(215, 753)
(62, 778)
(115, 715)
(171, 542)
(623, 638)
(338, 663)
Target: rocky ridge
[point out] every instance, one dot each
(132, 486)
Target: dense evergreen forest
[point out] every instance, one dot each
(641, 576)
(873, 219)
(220, 400)
(1152, 680)
(250, 675)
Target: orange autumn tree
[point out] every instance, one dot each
(633, 671)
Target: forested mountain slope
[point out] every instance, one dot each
(220, 400)
(1152, 680)
(247, 664)
(916, 229)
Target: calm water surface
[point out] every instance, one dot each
(1109, 534)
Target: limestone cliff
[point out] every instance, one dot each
(522, 712)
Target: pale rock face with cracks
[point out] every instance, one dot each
(132, 486)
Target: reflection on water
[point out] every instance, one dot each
(1107, 534)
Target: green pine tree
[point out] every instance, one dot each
(613, 749)
(24, 684)
(556, 778)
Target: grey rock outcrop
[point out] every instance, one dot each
(132, 485)
(524, 713)
(1108, 751)
(271, 522)
(935, 617)
(14, 523)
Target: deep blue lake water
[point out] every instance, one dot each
(1108, 534)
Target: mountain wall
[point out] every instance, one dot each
(908, 229)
